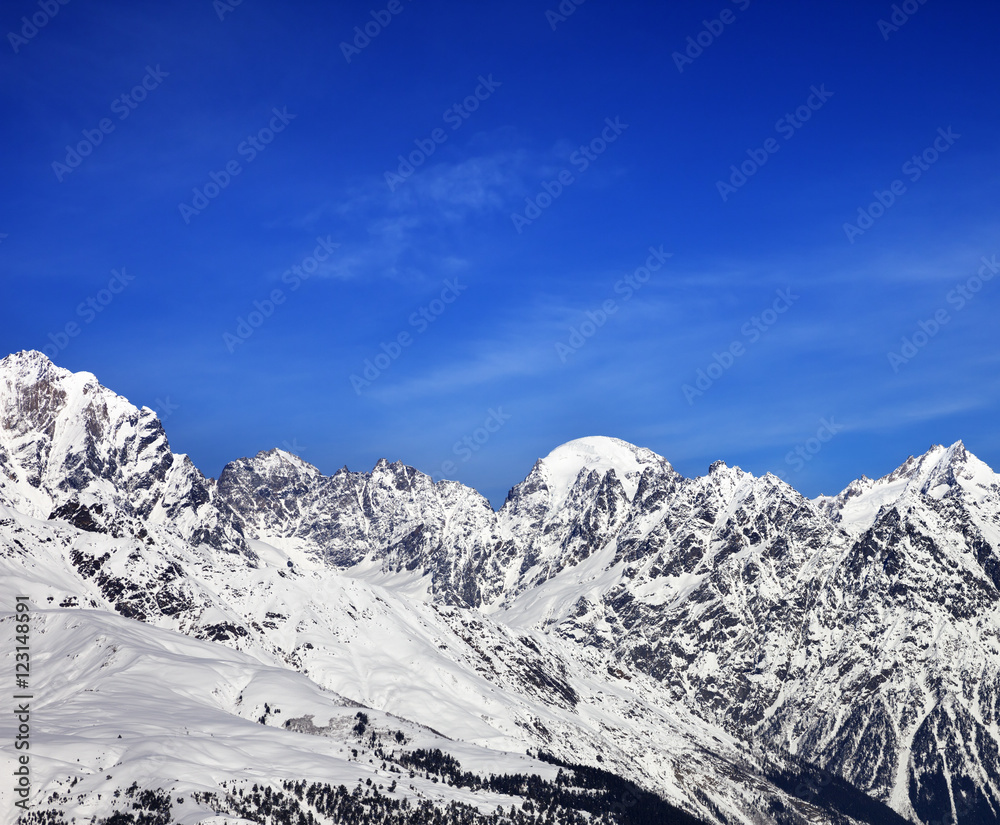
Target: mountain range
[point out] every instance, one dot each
(616, 643)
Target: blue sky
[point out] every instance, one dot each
(463, 201)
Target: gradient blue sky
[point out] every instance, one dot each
(161, 341)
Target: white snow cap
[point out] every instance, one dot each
(562, 466)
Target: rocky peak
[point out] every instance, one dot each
(70, 445)
(939, 472)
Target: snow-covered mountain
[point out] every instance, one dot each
(70, 448)
(721, 644)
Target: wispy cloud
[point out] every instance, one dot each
(419, 230)
(474, 185)
(492, 364)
